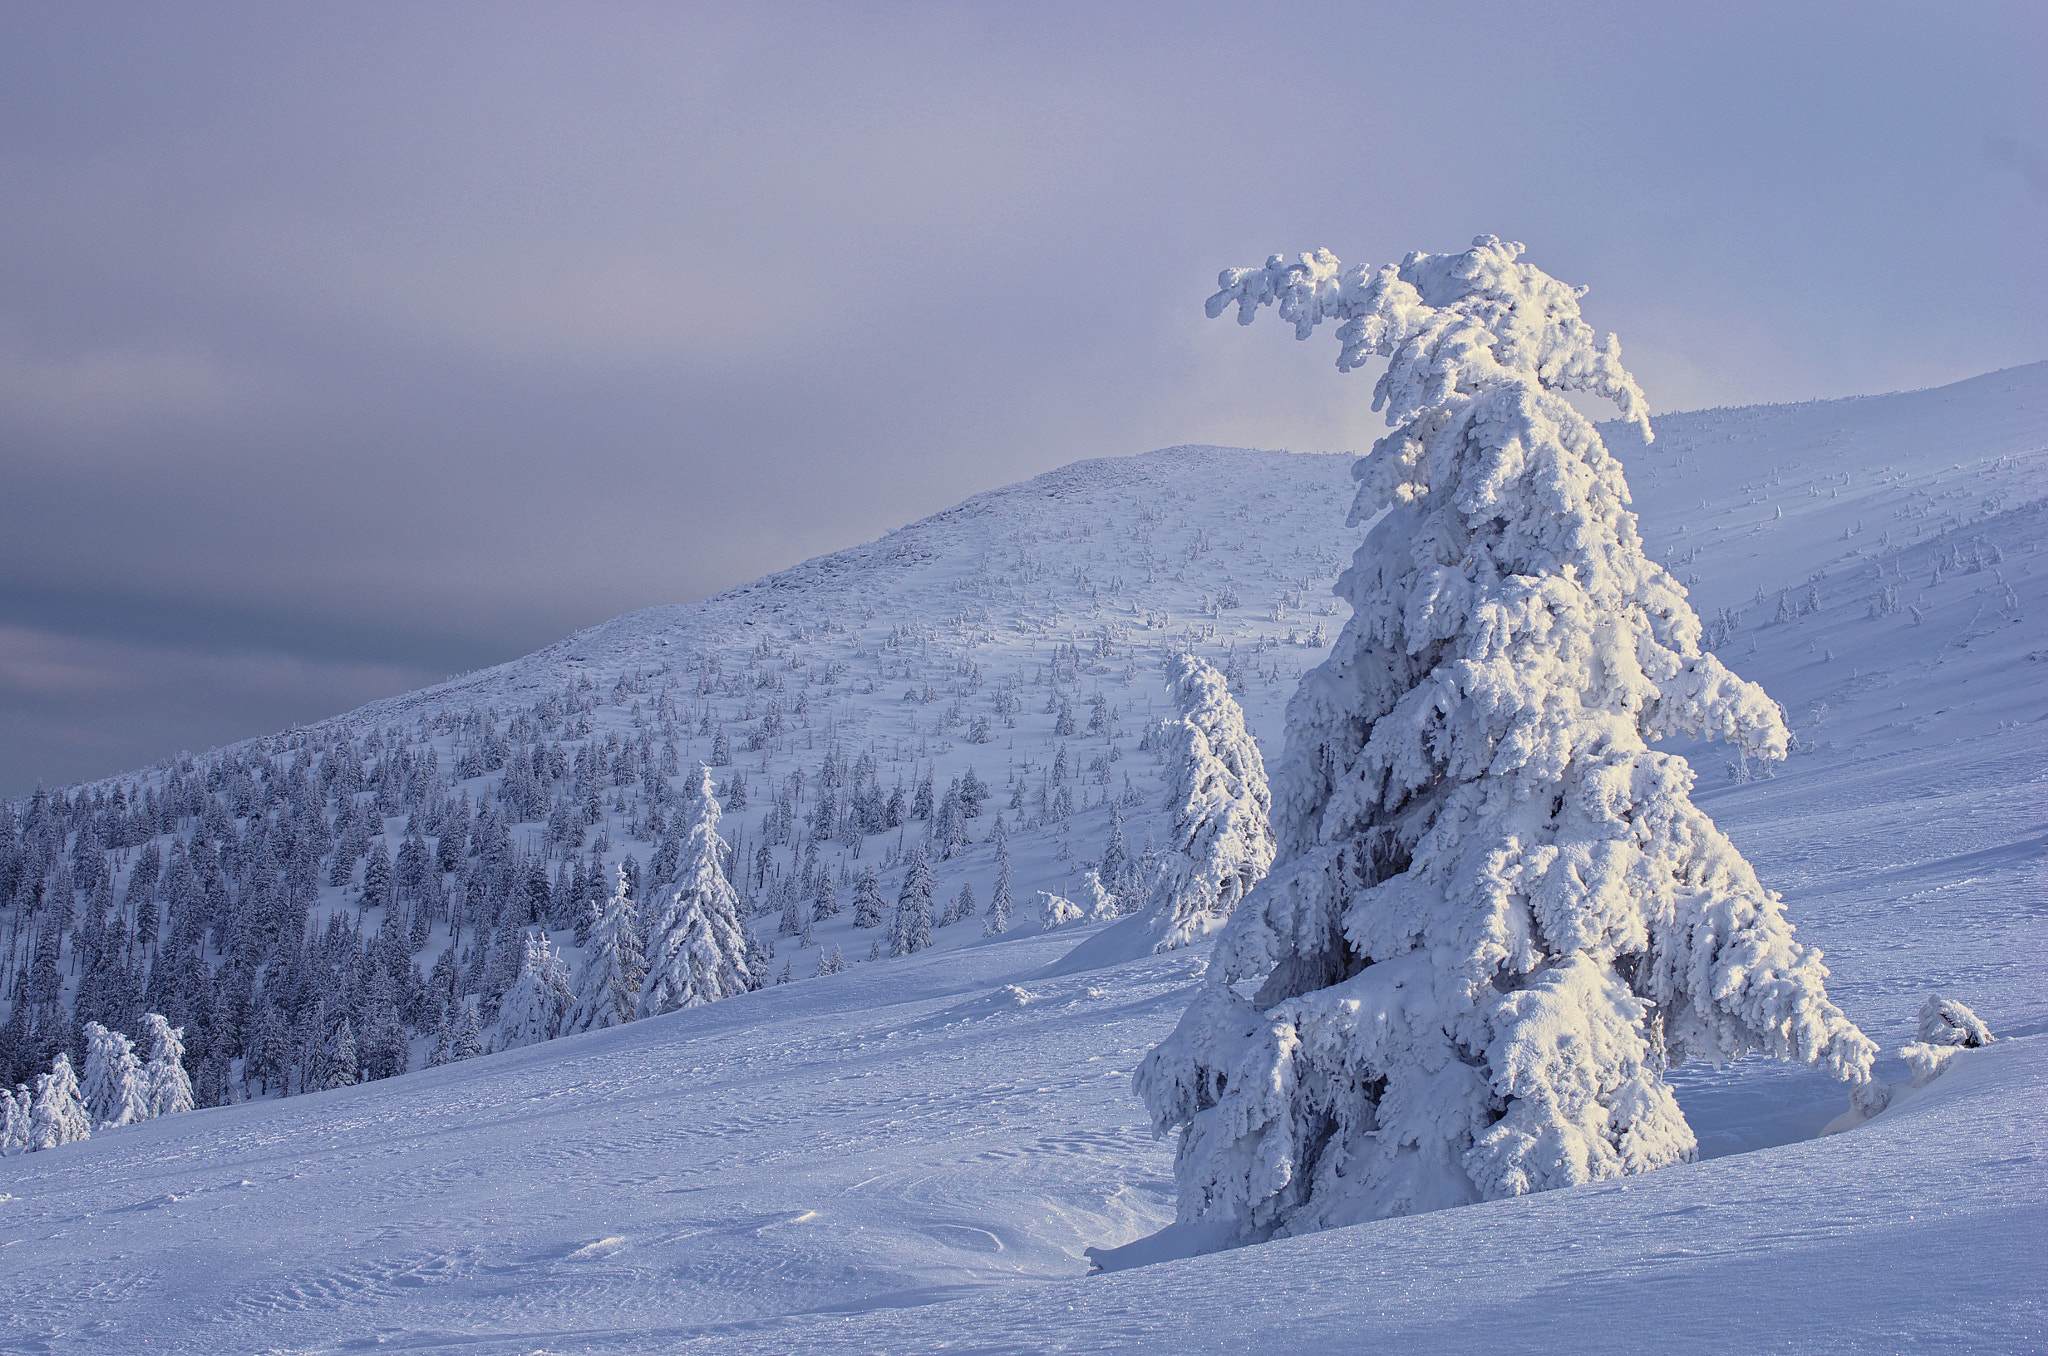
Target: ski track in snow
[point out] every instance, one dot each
(900, 1158)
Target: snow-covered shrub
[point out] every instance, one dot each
(1057, 909)
(1944, 1021)
(699, 950)
(1495, 916)
(1222, 840)
(1947, 1028)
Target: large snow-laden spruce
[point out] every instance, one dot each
(1222, 837)
(1495, 916)
(699, 950)
(613, 967)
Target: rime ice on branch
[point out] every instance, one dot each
(1496, 916)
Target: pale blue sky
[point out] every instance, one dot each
(345, 347)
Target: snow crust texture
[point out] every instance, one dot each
(1496, 917)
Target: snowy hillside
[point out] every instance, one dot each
(913, 1154)
(1018, 637)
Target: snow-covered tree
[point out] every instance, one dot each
(911, 929)
(699, 950)
(1056, 910)
(170, 1089)
(1222, 838)
(14, 1118)
(868, 902)
(116, 1087)
(1115, 865)
(57, 1115)
(1495, 916)
(613, 966)
(999, 903)
(538, 1001)
(468, 1041)
(343, 1068)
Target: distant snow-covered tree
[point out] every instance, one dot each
(535, 1006)
(999, 904)
(15, 1104)
(170, 1089)
(116, 1087)
(614, 968)
(378, 876)
(1222, 838)
(824, 900)
(57, 1115)
(911, 928)
(699, 949)
(468, 1041)
(343, 1068)
(1495, 916)
(868, 901)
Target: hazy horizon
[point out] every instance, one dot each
(342, 352)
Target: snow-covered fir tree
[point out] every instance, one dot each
(1114, 868)
(1222, 837)
(997, 922)
(869, 905)
(1495, 916)
(468, 1041)
(170, 1089)
(538, 1001)
(699, 949)
(343, 1069)
(57, 1116)
(116, 1087)
(911, 928)
(614, 968)
(14, 1119)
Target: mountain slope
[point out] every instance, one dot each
(911, 1155)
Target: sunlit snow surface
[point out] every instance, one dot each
(911, 1156)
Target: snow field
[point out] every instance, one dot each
(902, 1158)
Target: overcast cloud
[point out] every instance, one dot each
(346, 347)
